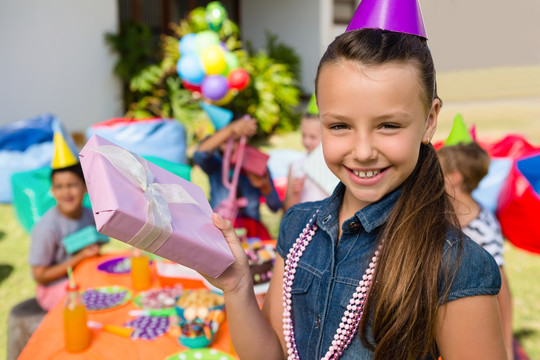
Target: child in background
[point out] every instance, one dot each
(464, 166)
(380, 269)
(209, 156)
(48, 257)
(301, 188)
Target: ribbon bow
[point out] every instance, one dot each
(157, 228)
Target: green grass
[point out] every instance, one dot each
(510, 102)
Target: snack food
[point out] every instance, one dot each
(261, 259)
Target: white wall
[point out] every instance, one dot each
(54, 59)
(295, 22)
(465, 34)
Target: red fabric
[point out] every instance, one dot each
(518, 209)
(511, 146)
(116, 121)
(253, 228)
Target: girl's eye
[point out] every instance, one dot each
(338, 127)
(389, 126)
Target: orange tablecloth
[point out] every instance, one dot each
(48, 340)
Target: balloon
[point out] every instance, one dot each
(214, 87)
(238, 79)
(190, 86)
(213, 60)
(189, 68)
(205, 39)
(197, 19)
(215, 15)
(224, 100)
(187, 44)
(232, 61)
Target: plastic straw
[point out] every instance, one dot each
(70, 277)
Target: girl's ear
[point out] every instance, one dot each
(431, 123)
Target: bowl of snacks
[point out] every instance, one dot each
(198, 303)
(196, 334)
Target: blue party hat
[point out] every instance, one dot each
(219, 116)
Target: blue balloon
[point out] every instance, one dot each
(187, 44)
(189, 68)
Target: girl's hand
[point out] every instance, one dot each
(238, 275)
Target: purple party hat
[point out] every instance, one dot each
(402, 16)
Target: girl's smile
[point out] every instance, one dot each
(373, 122)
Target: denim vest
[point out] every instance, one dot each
(329, 271)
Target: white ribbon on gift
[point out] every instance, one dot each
(157, 228)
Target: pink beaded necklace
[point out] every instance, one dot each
(351, 318)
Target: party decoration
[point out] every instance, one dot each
(215, 15)
(459, 133)
(402, 16)
(238, 79)
(232, 61)
(206, 66)
(205, 39)
(63, 157)
(197, 18)
(226, 99)
(148, 327)
(187, 44)
(213, 60)
(189, 68)
(105, 297)
(191, 87)
(214, 87)
(219, 117)
(312, 107)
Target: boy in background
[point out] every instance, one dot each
(464, 166)
(48, 257)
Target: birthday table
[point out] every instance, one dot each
(48, 340)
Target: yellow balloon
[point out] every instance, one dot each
(224, 100)
(213, 60)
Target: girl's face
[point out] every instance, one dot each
(68, 190)
(373, 122)
(311, 133)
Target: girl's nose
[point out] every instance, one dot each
(364, 149)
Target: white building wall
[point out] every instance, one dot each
(465, 34)
(295, 22)
(54, 59)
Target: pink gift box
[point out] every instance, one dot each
(120, 205)
(254, 160)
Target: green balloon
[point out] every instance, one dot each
(205, 39)
(215, 15)
(197, 19)
(232, 61)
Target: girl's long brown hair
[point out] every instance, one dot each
(404, 299)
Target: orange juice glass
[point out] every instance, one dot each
(76, 332)
(141, 277)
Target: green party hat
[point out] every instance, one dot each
(459, 133)
(312, 106)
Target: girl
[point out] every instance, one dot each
(464, 166)
(379, 269)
